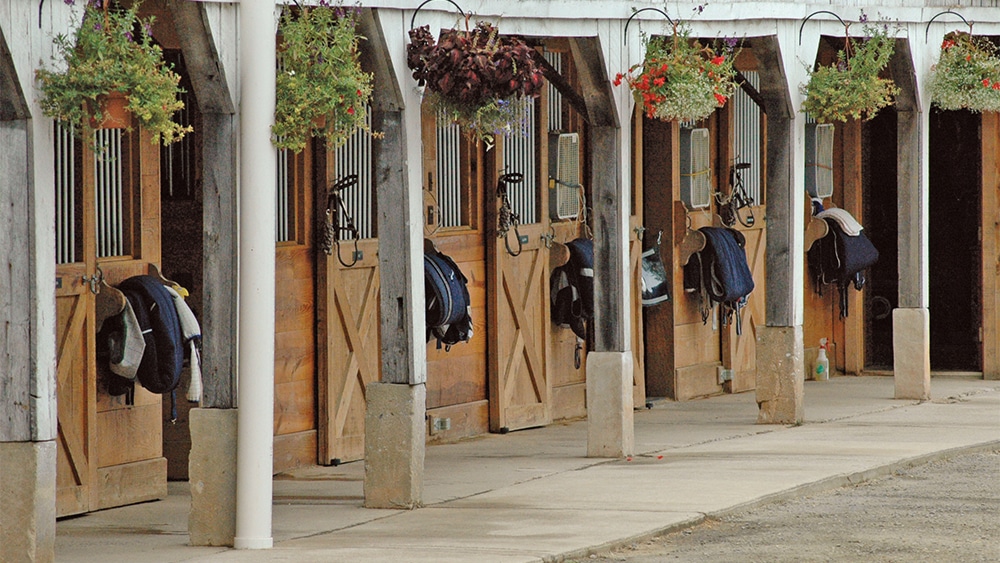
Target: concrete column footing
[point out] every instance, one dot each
(780, 375)
(394, 445)
(212, 477)
(911, 353)
(610, 422)
(28, 501)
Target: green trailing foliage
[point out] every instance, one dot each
(320, 86)
(112, 50)
(851, 88)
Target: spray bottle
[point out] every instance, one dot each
(821, 370)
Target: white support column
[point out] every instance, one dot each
(255, 396)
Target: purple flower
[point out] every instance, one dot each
(699, 9)
(324, 3)
(70, 2)
(148, 30)
(128, 35)
(863, 18)
(731, 42)
(97, 26)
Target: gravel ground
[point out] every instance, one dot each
(941, 512)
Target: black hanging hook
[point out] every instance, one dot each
(637, 12)
(459, 8)
(928, 28)
(842, 22)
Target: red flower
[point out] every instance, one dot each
(996, 85)
(948, 43)
(659, 81)
(618, 79)
(986, 82)
(718, 60)
(359, 93)
(350, 111)
(721, 99)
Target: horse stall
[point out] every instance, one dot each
(518, 370)
(701, 167)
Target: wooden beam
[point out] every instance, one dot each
(12, 103)
(594, 83)
(748, 88)
(201, 57)
(398, 343)
(219, 215)
(610, 312)
(562, 85)
(16, 302)
(912, 220)
(386, 94)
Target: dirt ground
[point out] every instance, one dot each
(944, 511)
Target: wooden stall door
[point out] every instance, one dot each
(347, 308)
(110, 452)
(636, 237)
(740, 351)
(519, 333)
(349, 333)
(638, 350)
(76, 386)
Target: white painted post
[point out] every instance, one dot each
(255, 395)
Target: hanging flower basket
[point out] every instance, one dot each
(320, 87)
(851, 88)
(967, 76)
(475, 77)
(681, 79)
(109, 111)
(112, 50)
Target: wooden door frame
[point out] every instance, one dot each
(990, 230)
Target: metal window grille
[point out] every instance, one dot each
(555, 98)
(519, 150)
(177, 166)
(65, 184)
(355, 157)
(449, 172)
(285, 219)
(177, 159)
(746, 136)
(108, 196)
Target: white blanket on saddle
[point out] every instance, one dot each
(845, 220)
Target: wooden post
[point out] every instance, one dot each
(219, 213)
(16, 303)
(28, 415)
(991, 244)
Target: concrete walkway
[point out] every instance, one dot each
(533, 496)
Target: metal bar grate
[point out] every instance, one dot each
(283, 185)
(519, 156)
(555, 98)
(108, 192)
(449, 172)
(746, 136)
(355, 157)
(65, 184)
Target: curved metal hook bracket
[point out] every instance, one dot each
(928, 28)
(459, 8)
(636, 13)
(801, 27)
